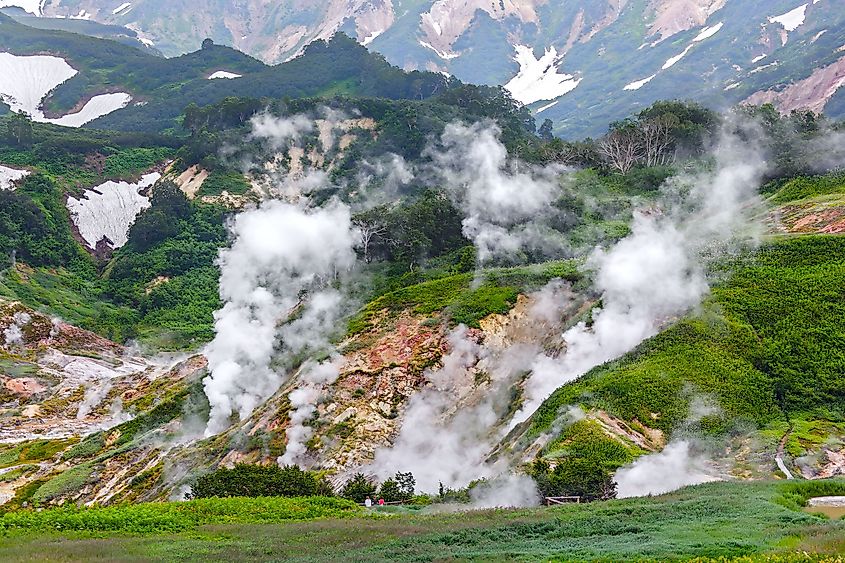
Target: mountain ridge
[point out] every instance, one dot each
(596, 61)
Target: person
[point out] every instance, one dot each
(369, 502)
(381, 502)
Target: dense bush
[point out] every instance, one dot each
(35, 227)
(574, 477)
(260, 481)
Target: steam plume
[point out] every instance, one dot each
(506, 203)
(658, 271)
(281, 253)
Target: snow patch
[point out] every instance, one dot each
(639, 83)
(97, 106)
(708, 32)
(435, 25)
(817, 35)
(758, 58)
(10, 176)
(121, 8)
(547, 106)
(26, 81)
(792, 19)
(763, 67)
(223, 74)
(110, 209)
(371, 37)
(538, 79)
(671, 61)
(442, 54)
(732, 86)
(33, 7)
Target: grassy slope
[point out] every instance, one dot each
(768, 342)
(713, 520)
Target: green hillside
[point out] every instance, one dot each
(767, 344)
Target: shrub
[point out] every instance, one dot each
(574, 476)
(259, 481)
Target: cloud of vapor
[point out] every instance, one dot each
(506, 204)
(675, 467)
(505, 491)
(439, 444)
(94, 395)
(314, 380)
(379, 180)
(450, 427)
(14, 332)
(658, 271)
(279, 132)
(279, 268)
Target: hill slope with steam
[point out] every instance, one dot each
(439, 342)
(376, 271)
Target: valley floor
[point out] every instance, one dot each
(746, 521)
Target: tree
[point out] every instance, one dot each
(160, 221)
(546, 131)
(389, 491)
(19, 127)
(371, 226)
(407, 484)
(657, 141)
(622, 147)
(358, 488)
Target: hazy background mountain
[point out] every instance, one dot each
(577, 63)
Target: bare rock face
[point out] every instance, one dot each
(811, 93)
(674, 16)
(57, 380)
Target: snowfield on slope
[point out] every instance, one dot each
(26, 80)
(637, 84)
(10, 176)
(109, 210)
(31, 6)
(539, 79)
(223, 74)
(792, 19)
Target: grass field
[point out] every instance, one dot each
(751, 521)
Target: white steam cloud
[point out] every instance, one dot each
(314, 380)
(280, 131)
(14, 332)
(279, 268)
(657, 272)
(674, 467)
(450, 427)
(505, 203)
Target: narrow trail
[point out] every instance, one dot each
(779, 455)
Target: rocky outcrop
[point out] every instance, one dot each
(811, 93)
(674, 16)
